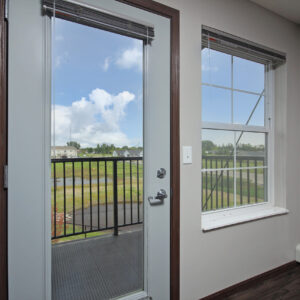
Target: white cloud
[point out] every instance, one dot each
(59, 38)
(106, 64)
(206, 61)
(132, 57)
(61, 59)
(207, 68)
(93, 121)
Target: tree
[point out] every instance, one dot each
(207, 146)
(111, 148)
(73, 144)
(89, 150)
(98, 149)
(105, 148)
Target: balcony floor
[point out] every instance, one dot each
(98, 268)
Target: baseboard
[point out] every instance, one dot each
(220, 295)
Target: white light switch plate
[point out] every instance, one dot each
(187, 154)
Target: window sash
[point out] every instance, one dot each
(230, 89)
(267, 129)
(234, 127)
(233, 169)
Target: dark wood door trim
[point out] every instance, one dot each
(173, 15)
(3, 152)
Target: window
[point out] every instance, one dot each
(237, 130)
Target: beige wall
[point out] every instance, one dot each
(215, 260)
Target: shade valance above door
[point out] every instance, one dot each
(105, 20)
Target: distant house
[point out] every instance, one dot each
(120, 153)
(128, 153)
(64, 152)
(136, 153)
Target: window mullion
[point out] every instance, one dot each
(232, 117)
(234, 127)
(234, 149)
(230, 88)
(234, 170)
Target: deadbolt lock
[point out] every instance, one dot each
(161, 173)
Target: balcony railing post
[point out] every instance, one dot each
(115, 185)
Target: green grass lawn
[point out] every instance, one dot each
(246, 192)
(123, 173)
(123, 176)
(228, 202)
(221, 197)
(218, 163)
(129, 187)
(87, 200)
(85, 167)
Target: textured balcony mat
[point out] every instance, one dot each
(98, 268)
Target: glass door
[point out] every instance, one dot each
(96, 163)
(109, 182)
(89, 203)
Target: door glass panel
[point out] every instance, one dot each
(96, 163)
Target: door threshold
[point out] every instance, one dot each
(136, 296)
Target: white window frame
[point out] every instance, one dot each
(223, 217)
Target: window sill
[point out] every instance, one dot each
(225, 218)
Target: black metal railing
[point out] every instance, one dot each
(218, 184)
(95, 194)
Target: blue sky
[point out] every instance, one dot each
(97, 86)
(216, 102)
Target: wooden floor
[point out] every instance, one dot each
(281, 285)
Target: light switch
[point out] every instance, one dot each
(187, 154)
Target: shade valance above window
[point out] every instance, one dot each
(230, 44)
(97, 18)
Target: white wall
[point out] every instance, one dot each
(215, 260)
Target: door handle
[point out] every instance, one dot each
(159, 198)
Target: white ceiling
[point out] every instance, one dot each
(290, 9)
